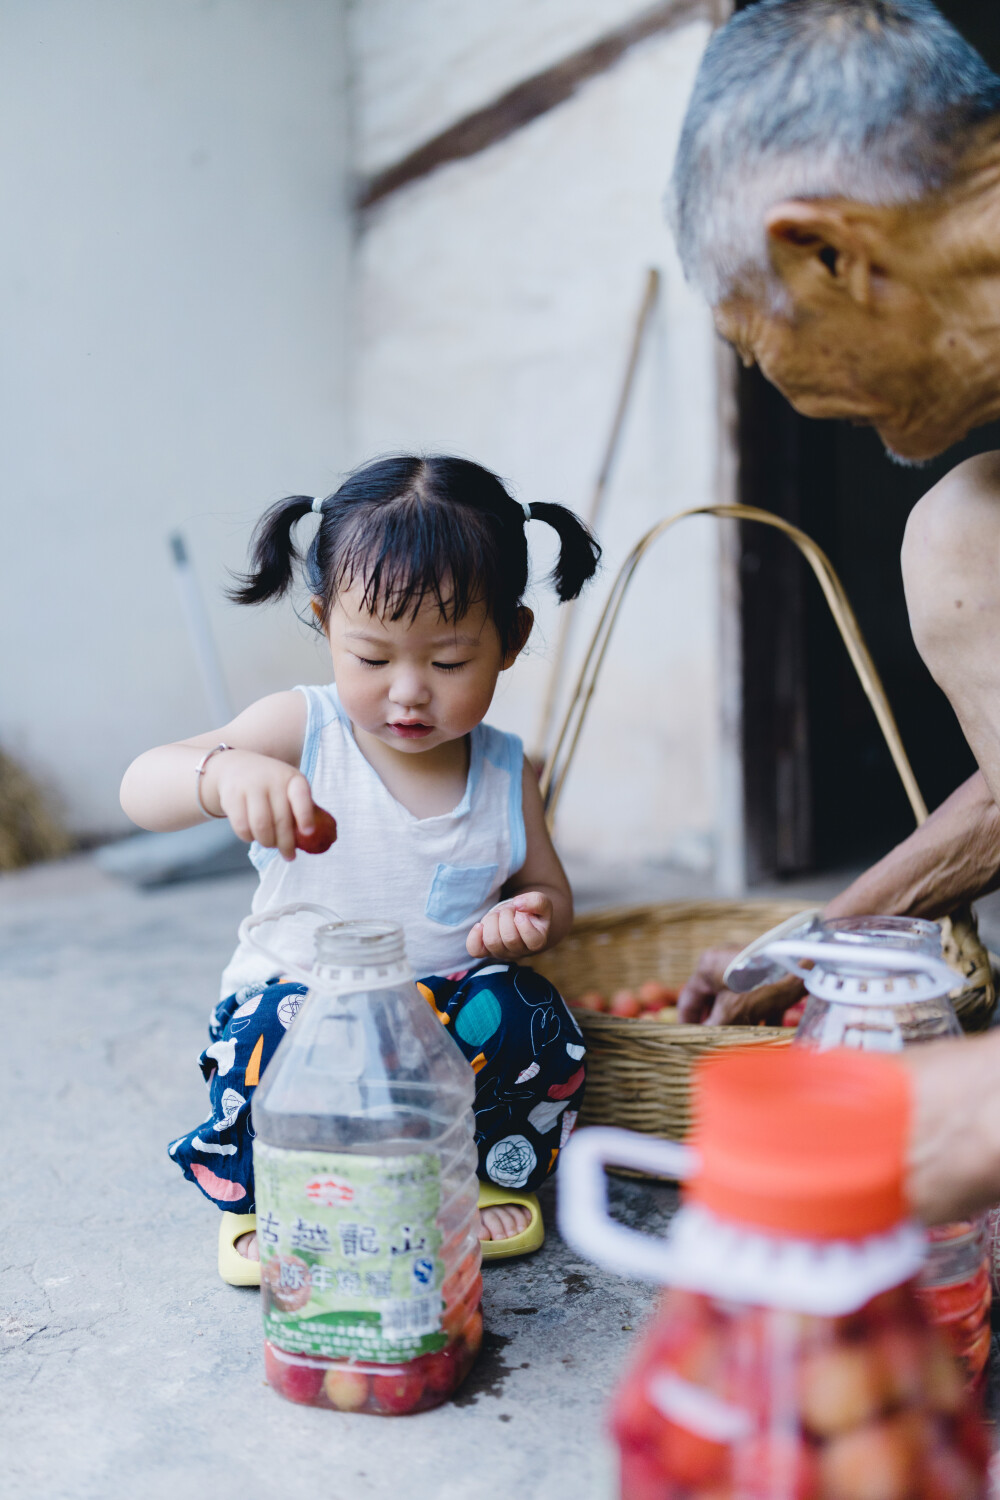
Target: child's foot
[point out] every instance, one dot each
(503, 1222)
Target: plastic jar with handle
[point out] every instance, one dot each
(790, 1358)
(365, 1179)
(879, 984)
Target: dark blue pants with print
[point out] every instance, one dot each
(512, 1026)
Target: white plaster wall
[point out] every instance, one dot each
(494, 307)
(173, 270)
(423, 64)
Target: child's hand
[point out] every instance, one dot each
(513, 928)
(263, 798)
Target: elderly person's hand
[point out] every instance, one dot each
(705, 998)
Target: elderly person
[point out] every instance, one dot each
(837, 197)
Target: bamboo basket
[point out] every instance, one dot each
(639, 1071)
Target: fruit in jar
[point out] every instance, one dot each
(840, 1388)
(472, 1333)
(946, 1475)
(293, 1378)
(442, 1370)
(625, 1003)
(641, 1478)
(903, 1355)
(591, 1000)
(323, 835)
(942, 1380)
(690, 1459)
(272, 1368)
(879, 1461)
(346, 1389)
(958, 1301)
(774, 1464)
(398, 1393)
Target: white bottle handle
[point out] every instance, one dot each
(248, 934)
(863, 956)
(584, 1221)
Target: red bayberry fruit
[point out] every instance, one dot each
(323, 835)
(472, 1333)
(274, 1369)
(297, 1382)
(399, 1393)
(778, 1465)
(624, 1003)
(590, 1000)
(442, 1370)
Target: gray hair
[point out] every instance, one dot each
(871, 100)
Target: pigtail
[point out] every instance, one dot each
(272, 553)
(579, 550)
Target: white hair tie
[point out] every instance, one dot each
(527, 510)
(317, 504)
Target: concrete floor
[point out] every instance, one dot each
(128, 1368)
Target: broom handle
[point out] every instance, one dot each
(645, 313)
(557, 766)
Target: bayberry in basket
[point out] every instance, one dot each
(625, 1003)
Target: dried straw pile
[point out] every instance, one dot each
(29, 829)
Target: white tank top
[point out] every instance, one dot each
(436, 876)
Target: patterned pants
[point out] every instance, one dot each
(512, 1026)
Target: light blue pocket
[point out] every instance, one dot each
(458, 891)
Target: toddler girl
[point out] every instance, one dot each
(417, 572)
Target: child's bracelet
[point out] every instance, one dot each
(199, 772)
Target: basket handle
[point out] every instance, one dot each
(561, 758)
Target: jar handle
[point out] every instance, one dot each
(248, 934)
(789, 950)
(584, 1221)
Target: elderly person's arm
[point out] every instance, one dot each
(953, 858)
(955, 1149)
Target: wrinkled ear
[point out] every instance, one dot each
(817, 247)
(519, 636)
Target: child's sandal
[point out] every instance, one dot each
(234, 1268)
(529, 1240)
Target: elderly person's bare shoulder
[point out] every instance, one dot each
(956, 520)
(951, 569)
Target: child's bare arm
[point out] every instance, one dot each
(537, 909)
(257, 784)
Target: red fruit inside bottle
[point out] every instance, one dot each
(442, 1370)
(723, 1403)
(323, 835)
(398, 1393)
(295, 1380)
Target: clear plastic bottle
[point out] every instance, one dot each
(879, 984)
(366, 1188)
(790, 1357)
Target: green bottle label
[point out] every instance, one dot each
(349, 1253)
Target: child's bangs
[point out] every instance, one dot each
(418, 552)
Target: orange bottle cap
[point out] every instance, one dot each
(802, 1143)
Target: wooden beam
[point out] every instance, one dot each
(528, 100)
